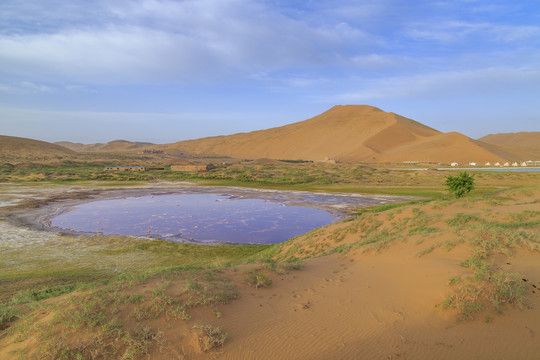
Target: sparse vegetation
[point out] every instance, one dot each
(119, 291)
(257, 279)
(461, 184)
(210, 337)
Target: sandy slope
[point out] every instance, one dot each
(352, 133)
(384, 304)
(373, 302)
(17, 148)
(373, 307)
(111, 146)
(525, 141)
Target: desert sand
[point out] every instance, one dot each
(353, 133)
(370, 288)
(525, 141)
(111, 146)
(14, 148)
(350, 133)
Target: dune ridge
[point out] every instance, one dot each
(527, 142)
(111, 146)
(353, 133)
(346, 133)
(17, 148)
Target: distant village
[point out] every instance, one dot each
(186, 167)
(506, 164)
(207, 167)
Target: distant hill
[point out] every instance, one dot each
(112, 146)
(23, 149)
(523, 141)
(352, 133)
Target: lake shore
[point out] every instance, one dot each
(390, 283)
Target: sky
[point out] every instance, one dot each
(168, 70)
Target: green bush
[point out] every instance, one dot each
(461, 184)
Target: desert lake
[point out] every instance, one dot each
(210, 216)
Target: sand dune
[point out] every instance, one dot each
(353, 133)
(368, 306)
(527, 142)
(16, 148)
(111, 146)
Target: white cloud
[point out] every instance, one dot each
(153, 40)
(458, 31)
(25, 87)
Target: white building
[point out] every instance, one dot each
(472, 164)
(488, 164)
(454, 164)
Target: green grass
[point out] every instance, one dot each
(67, 263)
(116, 314)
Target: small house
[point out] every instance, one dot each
(472, 164)
(506, 164)
(153, 151)
(454, 164)
(497, 164)
(192, 167)
(514, 164)
(487, 164)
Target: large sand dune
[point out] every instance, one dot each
(528, 142)
(352, 133)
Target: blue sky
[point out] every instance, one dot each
(170, 70)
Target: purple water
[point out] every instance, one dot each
(204, 218)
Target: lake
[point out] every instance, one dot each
(211, 216)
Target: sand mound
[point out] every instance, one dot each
(20, 149)
(527, 142)
(352, 133)
(112, 146)
(383, 301)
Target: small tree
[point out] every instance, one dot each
(461, 184)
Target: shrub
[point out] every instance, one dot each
(210, 337)
(461, 184)
(258, 280)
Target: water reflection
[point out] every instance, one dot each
(194, 217)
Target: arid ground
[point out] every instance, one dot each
(444, 278)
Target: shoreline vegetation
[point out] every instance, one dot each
(69, 297)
